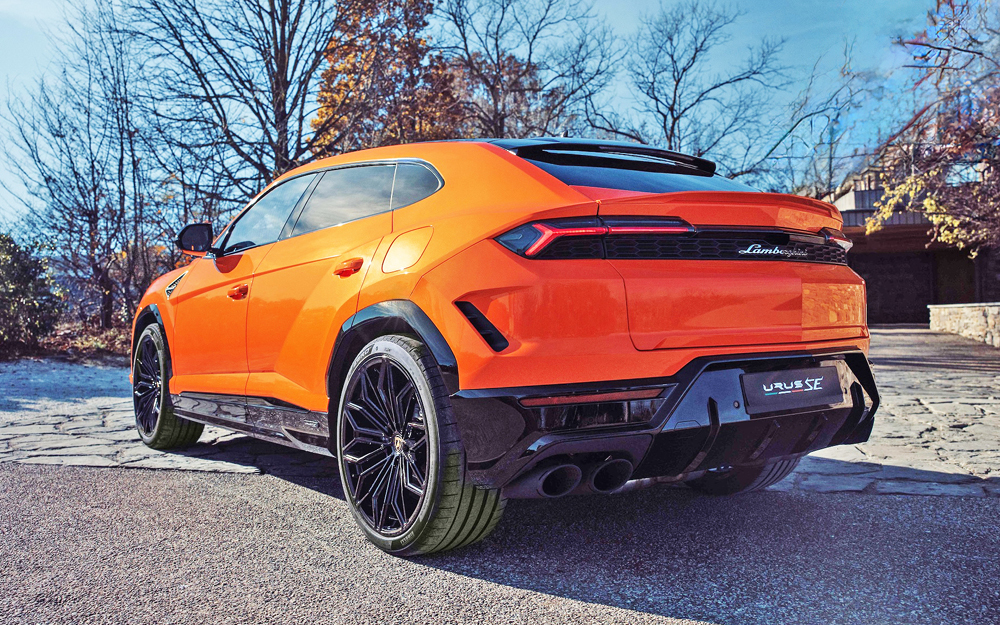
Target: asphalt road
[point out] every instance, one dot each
(84, 545)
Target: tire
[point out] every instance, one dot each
(380, 455)
(743, 479)
(158, 426)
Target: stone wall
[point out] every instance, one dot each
(975, 321)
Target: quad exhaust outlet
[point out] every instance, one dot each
(546, 482)
(600, 478)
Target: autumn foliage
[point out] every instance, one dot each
(384, 83)
(945, 162)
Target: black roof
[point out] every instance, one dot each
(525, 147)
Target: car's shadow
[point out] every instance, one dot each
(767, 557)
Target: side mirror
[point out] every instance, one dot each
(196, 239)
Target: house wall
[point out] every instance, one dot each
(899, 286)
(988, 271)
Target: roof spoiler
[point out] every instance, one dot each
(525, 147)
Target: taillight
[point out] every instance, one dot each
(837, 237)
(551, 233)
(533, 240)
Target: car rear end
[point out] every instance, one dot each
(676, 323)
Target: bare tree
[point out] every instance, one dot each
(386, 83)
(944, 161)
(78, 148)
(529, 65)
(235, 82)
(802, 149)
(681, 103)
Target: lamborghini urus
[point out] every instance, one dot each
(459, 323)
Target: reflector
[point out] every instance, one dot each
(590, 398)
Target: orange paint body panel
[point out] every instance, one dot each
(570, 322)
(719, 208)
(208, 349)
(705, 303)
(290, 327)
(566, 321)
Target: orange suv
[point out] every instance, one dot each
(463, 322)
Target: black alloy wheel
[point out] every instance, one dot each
(155, 420)
(401, 459)
(384, 443)
(147, 386)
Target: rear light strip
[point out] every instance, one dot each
(837, 237)
(605, 238)
(550, 234)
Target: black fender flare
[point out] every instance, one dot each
(150, 310)
(388, 317)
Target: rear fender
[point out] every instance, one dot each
(389, 317)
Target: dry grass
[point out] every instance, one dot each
(77, 342)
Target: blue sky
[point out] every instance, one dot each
(811, 28)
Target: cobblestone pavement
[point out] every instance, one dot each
(938, 432)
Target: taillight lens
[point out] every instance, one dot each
(533, 239)
(837, 237)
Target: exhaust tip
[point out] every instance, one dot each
(610, 476)
(560, 480)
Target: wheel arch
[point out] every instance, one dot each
(388, 317)
(147, 317)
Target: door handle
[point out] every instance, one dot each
(349, 267)
(239, 292)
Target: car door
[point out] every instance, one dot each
(308, 285)
(209, 350)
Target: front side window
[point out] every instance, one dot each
(346, 194)
(262, 223)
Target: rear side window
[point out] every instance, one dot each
(628, 173)
(414, 182)
(347, 194)
(262, 223)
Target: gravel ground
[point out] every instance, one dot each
(84, 545)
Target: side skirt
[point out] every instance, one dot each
(265, 418)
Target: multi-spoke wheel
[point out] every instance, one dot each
(147, 384)
(401, 460)
(158, 427)
(384, 445)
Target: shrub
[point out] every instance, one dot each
(29, 301)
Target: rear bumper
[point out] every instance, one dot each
(700, 424)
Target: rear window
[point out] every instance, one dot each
(413, 183)
(629, 173)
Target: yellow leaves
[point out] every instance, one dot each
(382, 84)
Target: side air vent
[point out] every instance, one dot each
(173, 285)
(487, 330)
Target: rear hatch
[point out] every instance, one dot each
(706, 261)
(753, 270)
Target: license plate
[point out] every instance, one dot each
(777, 391)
